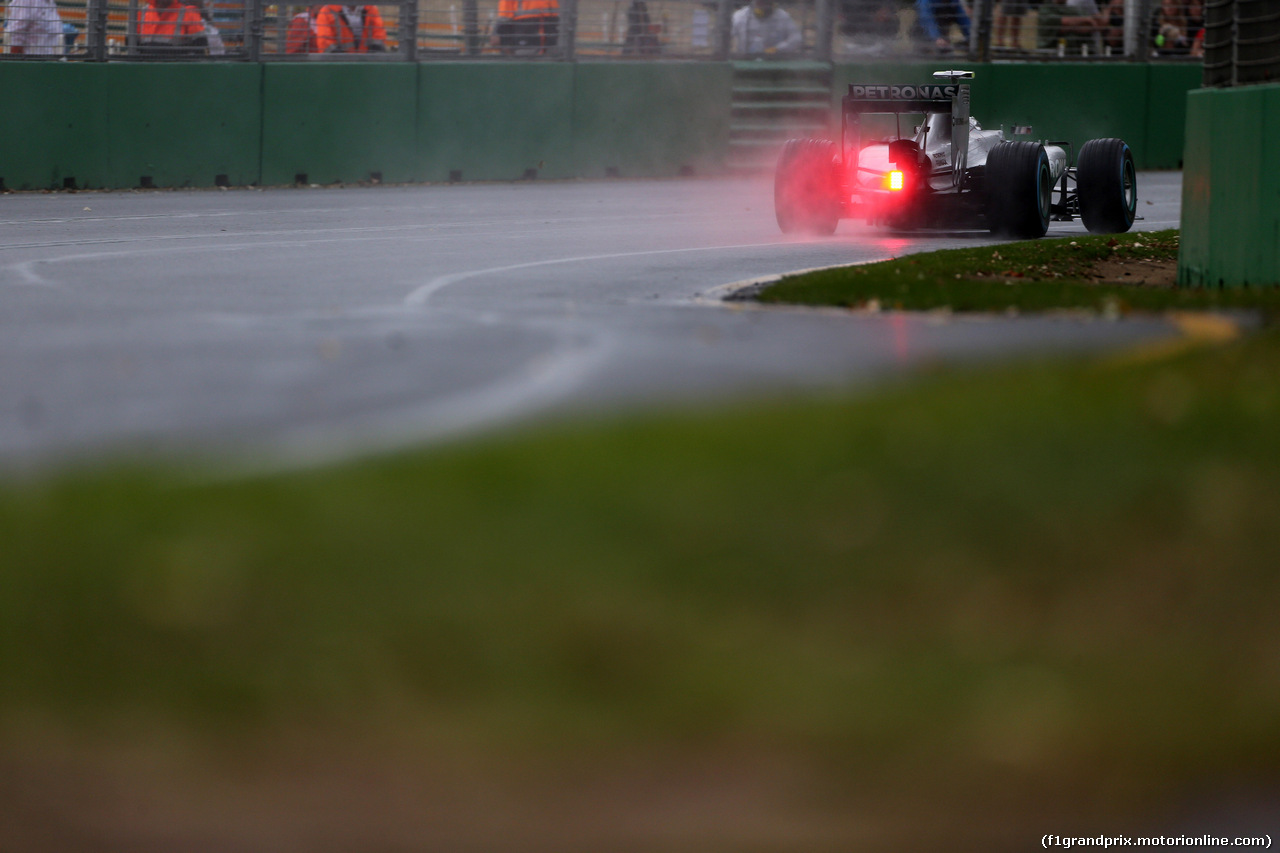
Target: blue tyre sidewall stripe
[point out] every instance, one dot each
(1126, 157)
(1042, 167)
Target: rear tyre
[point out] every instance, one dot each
(1019, 189)
(1106, 186)
(806, 187)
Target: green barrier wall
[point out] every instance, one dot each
(55, 118)
(71, 124)
(1167, 88)
(1230, 193)
(1065, 103)
(650, 119)
(178, 124)
(338, 122)
(182, 125)
(494, 122)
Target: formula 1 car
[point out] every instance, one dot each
(950, 173)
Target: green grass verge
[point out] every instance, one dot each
(1036, 275)
(1060, 571)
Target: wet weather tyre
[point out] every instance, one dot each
(806, 187)
(1106, 186)
(1019, 189)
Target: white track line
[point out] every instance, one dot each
(419, 297)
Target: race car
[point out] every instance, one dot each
(949, 172)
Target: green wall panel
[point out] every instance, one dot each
(182, 124)
(1167, 87)
(1067, 102)
(1231, 198)
(1266, 232)
(1194, 261)
(494, 121)
(339, 122)
(1234, 174)
(54, 125)
(646, 119)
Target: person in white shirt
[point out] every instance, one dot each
(762, 27)
(33, 27)
(211, 31)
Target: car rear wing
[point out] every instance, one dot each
(949, 97)
(928, 98)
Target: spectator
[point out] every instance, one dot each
(868, 25)
(700, 29)
(169, 29)
(762, 27)
(1195, 27)
(211, 32)
(1009, 23)
(1173, 33)
(1114, 36)
(642, 33)
(935, 18)
(301, 37)
(34, 28)
(350, 29)
(1072, 26)
(1195, 16)
(527, 27)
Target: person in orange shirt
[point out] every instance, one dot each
(168, 28)
(301, 37)
(350, 29)
(527, 27)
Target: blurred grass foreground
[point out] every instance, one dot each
(957, 614)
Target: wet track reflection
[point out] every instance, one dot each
(303, 325)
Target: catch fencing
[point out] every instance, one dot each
(828, 30)
(1242, 42)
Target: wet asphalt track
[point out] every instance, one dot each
(298, 325)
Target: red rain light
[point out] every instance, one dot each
(895, 180)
